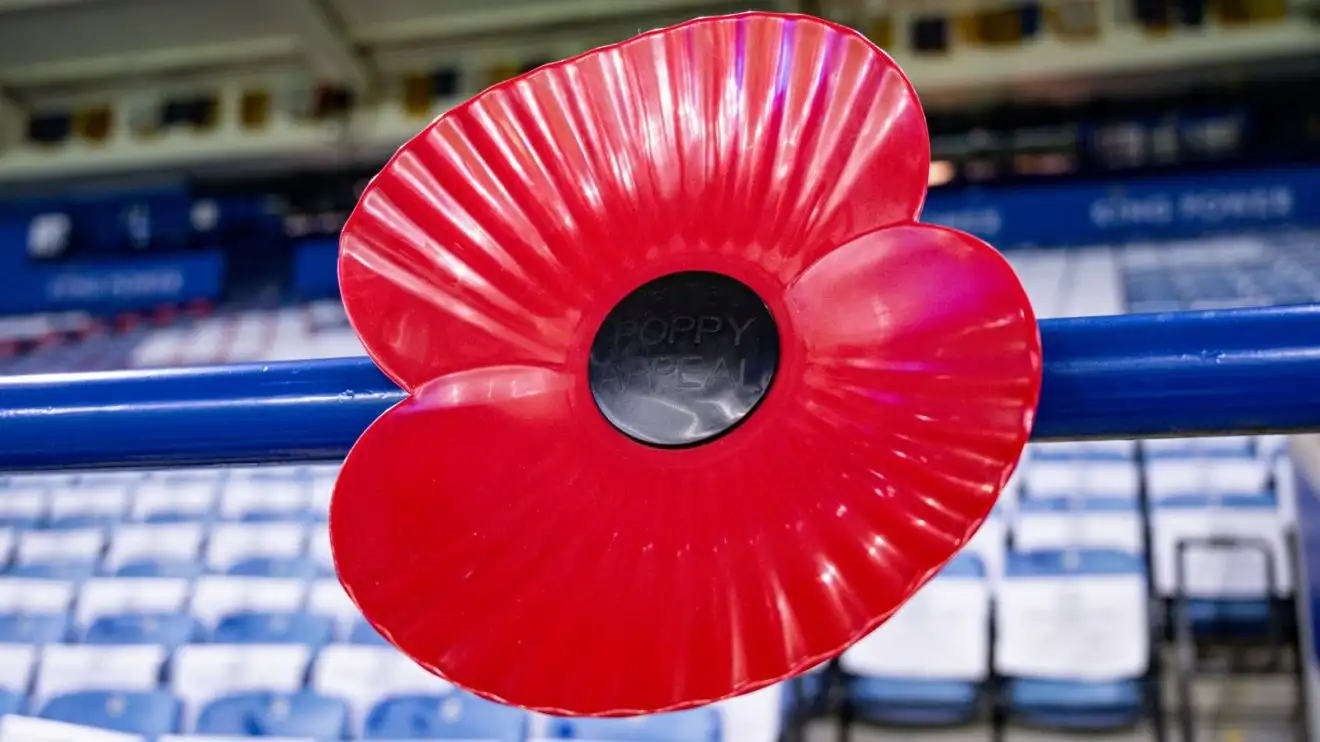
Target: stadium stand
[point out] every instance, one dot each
(196, 605)
(203, 601)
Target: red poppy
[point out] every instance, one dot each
(516, 529)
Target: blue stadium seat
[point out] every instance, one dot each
(231, 544)
(265, 499)
(364, 633)
(159, 568)
(21, 521)
(697, 725)
(27, 628)
(54, 570)
(1227, 499)
(23, 507)
(148, 714)
(299, 567)
(166, 629)
(262, 714)
(10, 702)
(274, 628)
(453, 715)
(1073, 643)
(80, 521)
(1048, 523)
(806, 694)
(929, 663)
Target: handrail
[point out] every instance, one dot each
(1131, 376)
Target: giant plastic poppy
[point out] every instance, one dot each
(694, 401)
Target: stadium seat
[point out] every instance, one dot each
(157, 550)
(205, 672)
(215, 597)
(11, 702)
(364, 675)
(928, 664)
(23, 507)
(318, 548)
(68, 668)
(1088, 523)
(258, 500)
(127, 596)
(697, 725)
(234, 543)
(322, 487)
(30, 595)
(807, 695)
(1110, 450)
(758, 716)
(1073, 643)
(328, 598)
(1227, 582)
(19, 728)
(1082, 478)
(145, 713)
(1219, 446)
(1206, 477)
(298, 567)
(61, 555)
(97, 505)
(274, 628)
(990, 544)
(364, 633)
(454, 715)
(33, 628)
(266, 714)
(166, 629)
(8, 543)
(1198, 497)
(176, 500)
(17, 666)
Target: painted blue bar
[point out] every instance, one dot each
(1191, 373)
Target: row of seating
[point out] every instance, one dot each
(276, 549)
(29, 503)
(1053, 613)
(291, 691)
(1067, 634)
(433, 712)
(1199, 469)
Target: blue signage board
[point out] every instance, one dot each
(316, 269)
(112, 285)
(1154, 208)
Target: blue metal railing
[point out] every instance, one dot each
(1130, 376)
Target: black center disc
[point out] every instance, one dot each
(684, 359)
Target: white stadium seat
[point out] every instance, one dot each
(72, 667)
(155, 549)
(1073, 637)
(927, 664)
(204, 672)
(215, 596)
(363, 675)
(232, 544)
(1082, 478)
(175, 499)
(1088, 523)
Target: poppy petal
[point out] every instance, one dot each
(772, 138)
(922, 356)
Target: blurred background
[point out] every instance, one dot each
(173, 177)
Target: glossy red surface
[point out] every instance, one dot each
(498, 530)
